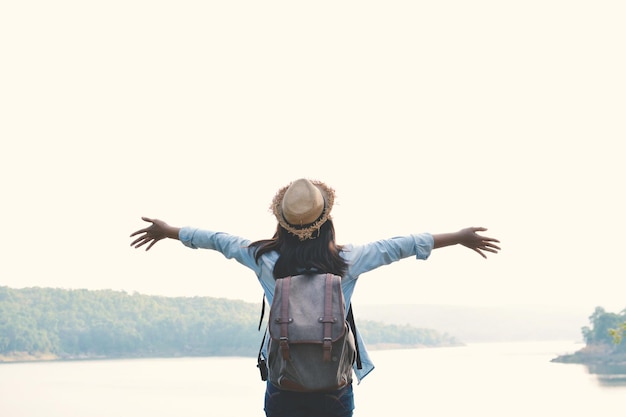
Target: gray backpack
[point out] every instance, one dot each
(312, 347)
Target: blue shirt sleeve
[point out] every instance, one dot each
(231, 246)
(372, 255)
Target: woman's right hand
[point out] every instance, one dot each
(150, 235)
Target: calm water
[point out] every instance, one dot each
(499, 379)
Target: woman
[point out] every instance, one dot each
(305, 241)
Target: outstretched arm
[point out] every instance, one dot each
(150, 235)
(468, 238)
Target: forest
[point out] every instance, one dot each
(54, 323)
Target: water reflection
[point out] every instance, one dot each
(608, 374)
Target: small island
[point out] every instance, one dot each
(604, 354)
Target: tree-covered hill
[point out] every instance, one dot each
(68, 324)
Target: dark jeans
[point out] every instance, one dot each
(279, 403)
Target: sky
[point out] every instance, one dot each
(423, 116)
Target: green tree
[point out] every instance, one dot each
(606, 329)
(617, 333)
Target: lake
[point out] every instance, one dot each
(489, 379)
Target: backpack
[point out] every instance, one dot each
(312, 347)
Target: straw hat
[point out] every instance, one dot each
(303, 206)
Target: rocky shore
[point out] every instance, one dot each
(594, 355)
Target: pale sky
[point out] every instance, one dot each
(424, 117)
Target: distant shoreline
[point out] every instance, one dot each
(22, 357)
(17, 357)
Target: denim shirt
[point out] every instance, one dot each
(360, 259)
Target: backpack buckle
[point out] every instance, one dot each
(284, 347)
(328, 347)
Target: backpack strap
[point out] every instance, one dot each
(262, 312)
(284, 319)
(352, 324)
(328, 318)
(261, 364)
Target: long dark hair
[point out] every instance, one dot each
(321, 254)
